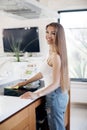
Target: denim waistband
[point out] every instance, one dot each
(60, 90)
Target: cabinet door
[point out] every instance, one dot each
(20, 121)
(32, 117)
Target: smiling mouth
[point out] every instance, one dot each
(49, 40)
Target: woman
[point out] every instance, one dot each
(55, 73)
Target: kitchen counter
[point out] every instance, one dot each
(9, 105)
(19, 114)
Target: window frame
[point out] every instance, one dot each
(59, 19)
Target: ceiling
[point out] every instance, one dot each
(25, 9)
(29, 9)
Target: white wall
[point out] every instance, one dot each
(7, 22)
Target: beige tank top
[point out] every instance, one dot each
(46, 71)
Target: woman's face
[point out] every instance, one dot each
(50, 35)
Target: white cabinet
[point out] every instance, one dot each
(79, 92)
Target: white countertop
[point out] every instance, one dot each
(9, 105)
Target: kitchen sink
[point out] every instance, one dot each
(6, 89)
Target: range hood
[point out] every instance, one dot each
(26, 9)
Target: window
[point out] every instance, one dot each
(75, 25)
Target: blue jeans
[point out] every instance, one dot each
(56, 103)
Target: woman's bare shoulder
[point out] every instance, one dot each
(55, 56)
(56, 61)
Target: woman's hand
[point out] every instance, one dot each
(29, 95)
(19, 85)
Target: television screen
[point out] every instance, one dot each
(23, 39)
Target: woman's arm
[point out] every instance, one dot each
(32, 79)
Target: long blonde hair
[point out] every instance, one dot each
(60, 44)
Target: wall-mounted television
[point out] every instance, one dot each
(26, 39)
